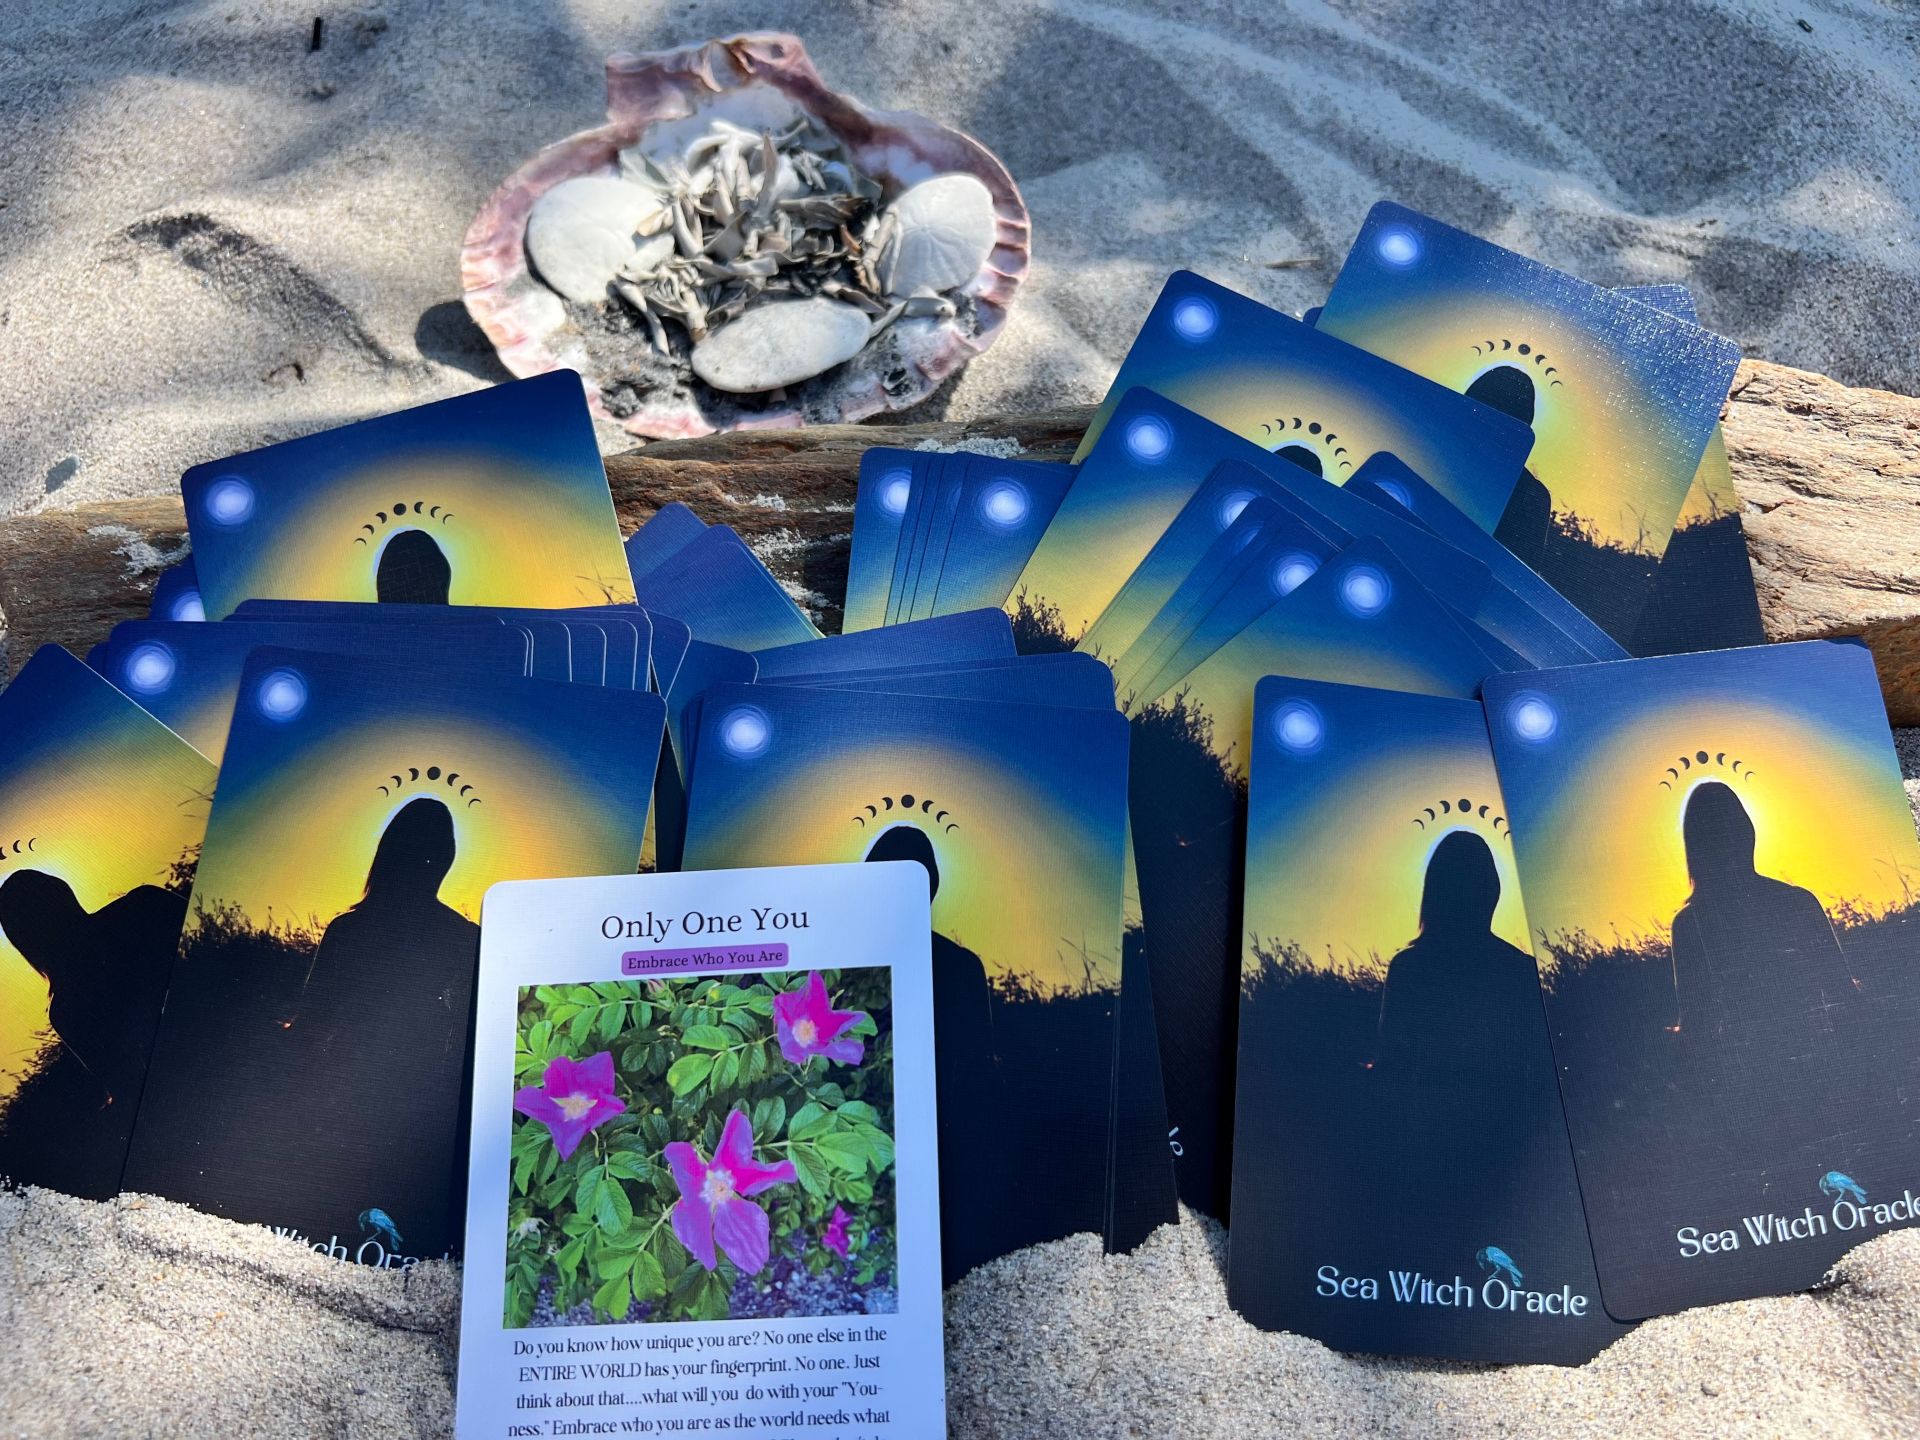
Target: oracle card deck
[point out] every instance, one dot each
(1622, 397)
(494, 498)
(102, 809)
(310, 1069)
(1314, 399)
(1718, 861)
(1402, 1180)
(1265, 810)
(702, 1100)
(1018, 815)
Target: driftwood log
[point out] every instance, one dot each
(1828, 476)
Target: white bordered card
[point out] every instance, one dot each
(704, 1192)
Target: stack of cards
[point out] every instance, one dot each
(1351, 798)
(1464, 476)
(403, 663)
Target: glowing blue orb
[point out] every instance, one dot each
(1195, 319)
(1398, 247)
(282, 694)
(1149, 439)
(150, 668)
(1365, 590)
(895, 487)
(187, 605)
(745, 731)
(1397, 493)
(1004, 503)
(229, 501)
(1532, 718)
(1298, 727)
(1293, 571)
(1232, 505)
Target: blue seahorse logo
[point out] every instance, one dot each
(381, 1227)
(1835, 1184)
(1496, 1261)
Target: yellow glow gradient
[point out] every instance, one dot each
(1014, 878)
(105, 827)
(1346, 886)
(507, 543)
(1249, 401)
(296, 849)
(1712, 494)
(1599, 447)
(1610, 858)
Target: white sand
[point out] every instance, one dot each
(211, 237)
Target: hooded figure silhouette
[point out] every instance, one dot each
(413, 571)
(966, 1078)
(1461, 1006)
(106, 977)
(1758, 973)
(380, 1040)
(1528, 517)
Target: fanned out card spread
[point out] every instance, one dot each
(1265, 812)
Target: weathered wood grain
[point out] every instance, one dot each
(1828, 475)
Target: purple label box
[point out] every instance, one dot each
(704, 958)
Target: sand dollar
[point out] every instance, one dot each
(939, 234)
(583, 231)
(781, 343)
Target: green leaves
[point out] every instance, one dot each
(688, 1071)
(596, 1229)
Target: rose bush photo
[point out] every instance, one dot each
(703, 1148)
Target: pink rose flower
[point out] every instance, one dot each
(573, 1098)
(714, 1206)
(808, 1025)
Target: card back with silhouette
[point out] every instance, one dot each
(1719, 865)
(1018, 814)
(1311, 397)
(1622, 398)
(1149, 462)
(1403, 1183)
(493, 498)
(102, 809)
(310, 1069)
(1361, 618)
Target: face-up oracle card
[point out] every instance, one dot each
(186, 675)
(1385, 481)
(703, 1109)
(722, 591)
(492, 498)
(971, 635)
(102, 809)
(1704, 597)
(176, 594)
(1149, 462)
(1221, 500)
(1313, 398)
(664, 534)
(1391, 1035)
(1018, 815)
(322, 991)
(1360, 618)
(1621, 397)
(1718, 861)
